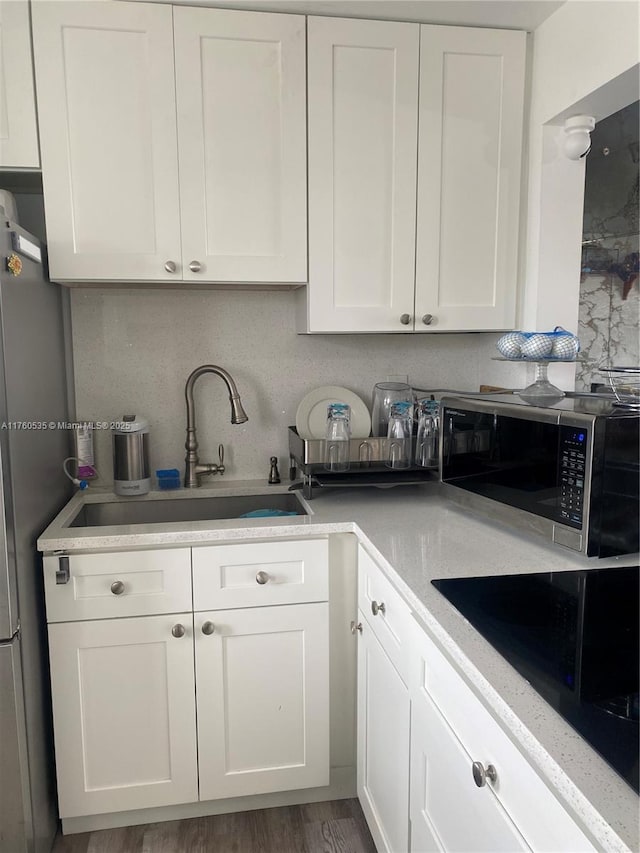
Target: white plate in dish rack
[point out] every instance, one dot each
(311, 416)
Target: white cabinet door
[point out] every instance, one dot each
(106, 107)
(18, 129)
(386, 611)
(469, 168)
(124, 714)
(448, 811)
(241, 94)
(452, 729)
(363, 95)
(262, 680)
(383, 745)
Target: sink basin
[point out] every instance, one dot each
(181, 509)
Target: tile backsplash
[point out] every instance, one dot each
(133, 350)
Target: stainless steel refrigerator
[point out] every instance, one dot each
(33, 393)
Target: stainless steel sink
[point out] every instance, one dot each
(181, 509)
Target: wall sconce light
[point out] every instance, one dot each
(577, 142)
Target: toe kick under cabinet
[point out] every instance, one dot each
(137, 724)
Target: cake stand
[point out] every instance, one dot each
(541, 392)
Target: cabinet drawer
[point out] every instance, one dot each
(131, 583)
(539, 816)
(259, 573)
(391, 623)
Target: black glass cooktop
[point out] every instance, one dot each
(575, 637)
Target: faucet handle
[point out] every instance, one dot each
(221, 458)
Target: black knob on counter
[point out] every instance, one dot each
(274, 474)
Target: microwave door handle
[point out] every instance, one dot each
(450, 436)
(494, 438)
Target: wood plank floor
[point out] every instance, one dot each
(337, 826)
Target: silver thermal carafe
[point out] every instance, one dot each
(131, 474)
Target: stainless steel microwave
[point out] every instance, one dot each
(569, 472)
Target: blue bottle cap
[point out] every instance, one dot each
(401, 409)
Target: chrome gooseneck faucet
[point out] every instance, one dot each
(194, 468)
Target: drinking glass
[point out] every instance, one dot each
(428, 434)
(338, 435)
(385, 394)
(399, 435)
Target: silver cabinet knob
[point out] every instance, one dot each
(405, 319)
(170, 266)
(378, 608)
(427, 319)
(117, 587)
(481, 774)
(262, 578)
(356, 626)
(208, 628)
(195, 266)
(178, 630)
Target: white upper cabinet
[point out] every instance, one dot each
(18, 128)
(376, 264)
(363, 95)
(173, 145)
(106, 106)
(469, 174)
(240, 81)
(170, 168)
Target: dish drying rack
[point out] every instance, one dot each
(367, 457)
(625, 384)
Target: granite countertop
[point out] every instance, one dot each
(416, 535)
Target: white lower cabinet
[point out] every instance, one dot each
(442, 791)
(383, 744)
(262, 677)
(436, 772)
(471, 787)
(169, 707)
(124, 711)
(206, 699)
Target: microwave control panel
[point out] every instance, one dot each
(573, 453)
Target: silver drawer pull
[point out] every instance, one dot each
(356, 626)
(117, 587)
(480, 774)
(178, 630)
(208, 628)
(378, 608)
(262, 578)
